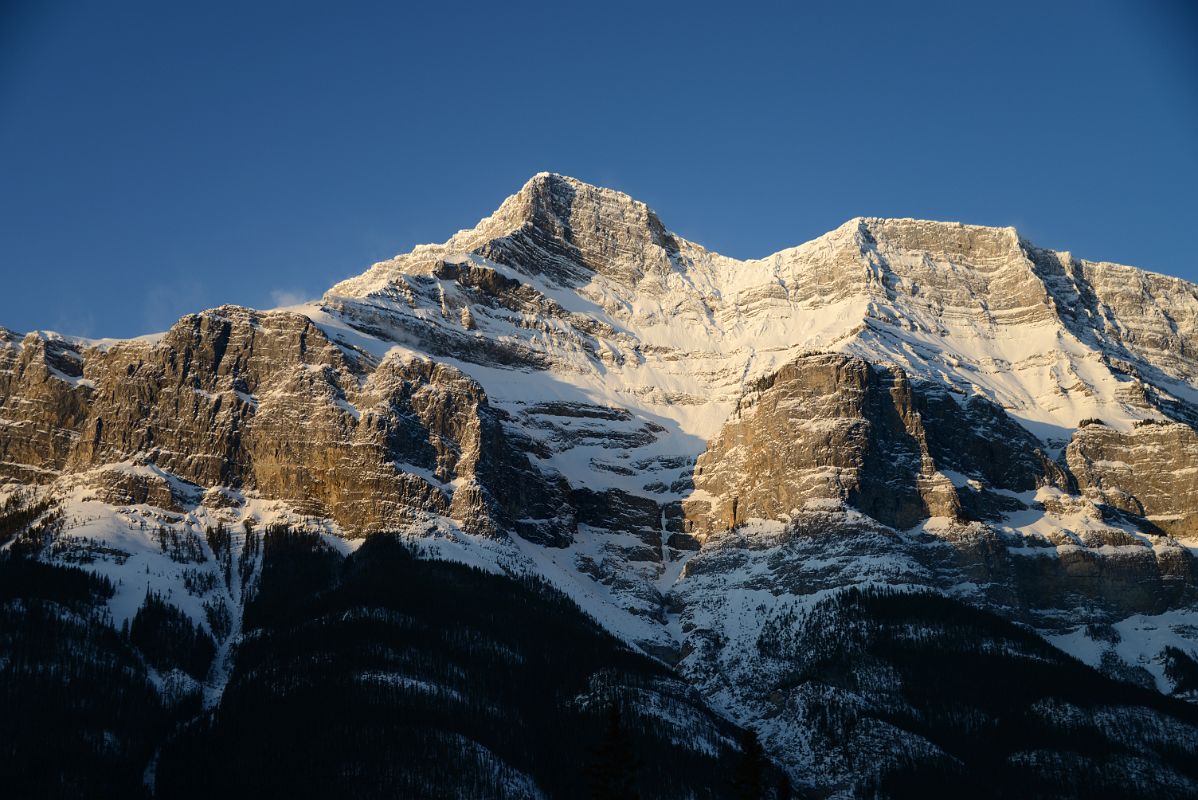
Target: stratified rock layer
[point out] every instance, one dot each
(265, 402)
(834, 428)
(1150, 471)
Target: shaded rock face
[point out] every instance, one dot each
(1034, 583)
(622, 512)
(1101, 579)
(974, 436)
(833, 427)
(1150, 471)
(264, 401)
(840, 711)
(1138, 316)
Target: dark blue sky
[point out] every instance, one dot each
(161, 157)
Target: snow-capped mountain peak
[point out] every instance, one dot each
(593, 284)
(712, 457)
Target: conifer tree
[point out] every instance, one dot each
(750, 771)
(611, 774)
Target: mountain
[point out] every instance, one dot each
(916, 489)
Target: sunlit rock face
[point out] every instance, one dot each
(704, 452)
(43, 404)
(263, 401)
(835, 428)
(1149, 471)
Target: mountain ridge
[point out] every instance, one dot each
(507, 220)
(544, 181)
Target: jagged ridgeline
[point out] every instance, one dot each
(569, 501)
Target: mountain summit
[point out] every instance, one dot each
(941, 299)
(818, 490)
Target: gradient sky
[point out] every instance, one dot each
(158, 157)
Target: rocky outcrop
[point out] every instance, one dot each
(43, 404)
(136, 483)
(835, 428)
(1150, 471)
(828, 432)
(266, 402)
(824, 428)
(185, 401)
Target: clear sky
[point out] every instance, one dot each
(161, 157)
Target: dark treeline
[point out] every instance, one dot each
(381, 675)
(983, 690)
(28, 521)
(386, 675)
(1182, 669)
(78, 715)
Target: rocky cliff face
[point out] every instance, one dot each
(700, 451)
(833, 472)
(265, 402)
(43, 404)
(834, 428)
(1148, 471)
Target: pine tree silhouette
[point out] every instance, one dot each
(611, 774)
(784, 790)
(750, 772)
